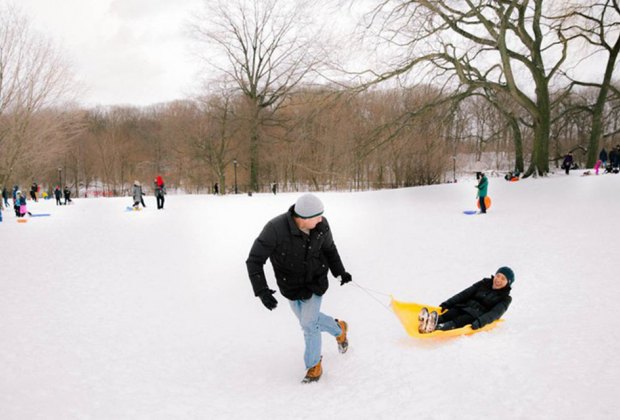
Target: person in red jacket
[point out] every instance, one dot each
(478, 305)
(160, 191)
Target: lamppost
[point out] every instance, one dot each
(454, 168)
(59, 177)
(235, 164)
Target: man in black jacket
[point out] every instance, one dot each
(478, 305)
(301, 249)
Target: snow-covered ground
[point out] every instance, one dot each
(108, 314)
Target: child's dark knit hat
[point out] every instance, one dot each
(507, 271)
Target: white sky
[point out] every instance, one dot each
(123, 51)
(133, 52)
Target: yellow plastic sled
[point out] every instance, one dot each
(408, 312)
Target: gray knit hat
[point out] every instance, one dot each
(308, 206)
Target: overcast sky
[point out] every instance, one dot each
(123, 51)
(134, 52)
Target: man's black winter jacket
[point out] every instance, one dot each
(300, 262)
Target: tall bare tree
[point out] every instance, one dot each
(597, 22)
(33, 77)
(509, 46)
(269, 48)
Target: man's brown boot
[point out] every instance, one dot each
(343, 343)
(314, 373)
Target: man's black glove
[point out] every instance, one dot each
(345, 278)
(266, 296)
(475, 325)
(444, 307)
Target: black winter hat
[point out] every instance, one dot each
(507, 271)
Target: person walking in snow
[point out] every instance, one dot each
(301, 248)
(160, 191)
(67, 194)
(483, 186)
(567, 164)
(34, 188)
(5, 197)
(597, 166)
(137, 195)
(614, 159)
(58, 195)
(478, 305)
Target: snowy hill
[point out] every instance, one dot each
(108, 314)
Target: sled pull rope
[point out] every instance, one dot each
(368, 292)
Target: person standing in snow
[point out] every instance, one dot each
(567, 164)
(137, 195)
(603, 156)
(20, 205)
(67, 194)
(301, 248)
(483, 186)
(34, 188)
(478, 305)
(58, 195)
(160, 191)
(5, 197)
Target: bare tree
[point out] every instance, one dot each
(270, 47)
(598, 24)
(212, 140)
(509, 46)
(33, 78)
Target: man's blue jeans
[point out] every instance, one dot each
(313, 323)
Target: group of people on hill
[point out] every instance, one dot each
(610, 162)
(159, 189)
(58, 194)
(300, 245)
(20, 205)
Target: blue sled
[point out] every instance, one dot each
(40, 215)
(470, 212)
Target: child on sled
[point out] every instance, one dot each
(478, 305)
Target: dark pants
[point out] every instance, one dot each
(160, 201)
(483, 206)
(454, 318)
